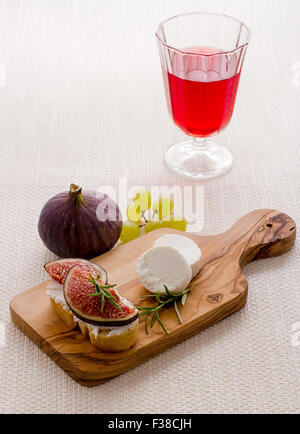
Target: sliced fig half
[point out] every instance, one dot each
(79, 293)
(59, 269)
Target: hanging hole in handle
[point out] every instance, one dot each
(269, 225)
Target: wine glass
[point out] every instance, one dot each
(201, 56)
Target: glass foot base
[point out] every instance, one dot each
(199, 161)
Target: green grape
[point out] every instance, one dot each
(143, 197)
(163, 207)
(152, 225)
(130, 231)
(178, 223)
(134, 213)
(140, 203)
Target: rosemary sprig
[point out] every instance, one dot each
(162, 301)
(101, 291)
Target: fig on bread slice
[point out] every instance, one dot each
(90, 306)
(60, 268)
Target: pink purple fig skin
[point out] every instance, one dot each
(80, 224)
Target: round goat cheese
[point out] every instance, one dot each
(187, 247)
(163, 265)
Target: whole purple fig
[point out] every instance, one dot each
(80, 224)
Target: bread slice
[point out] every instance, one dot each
(114, 340)
(65, 314)
(109, 340)
(83, 327)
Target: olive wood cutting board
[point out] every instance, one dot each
(218, 291)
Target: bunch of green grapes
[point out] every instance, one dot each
(161, 216)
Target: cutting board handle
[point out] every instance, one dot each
(261, 234)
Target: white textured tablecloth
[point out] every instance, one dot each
(81, 100)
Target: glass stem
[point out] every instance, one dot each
(200, 144)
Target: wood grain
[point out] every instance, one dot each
(218, 291)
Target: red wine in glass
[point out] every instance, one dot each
(202, 92)
(201, 56)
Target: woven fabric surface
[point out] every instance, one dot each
(82, 101)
